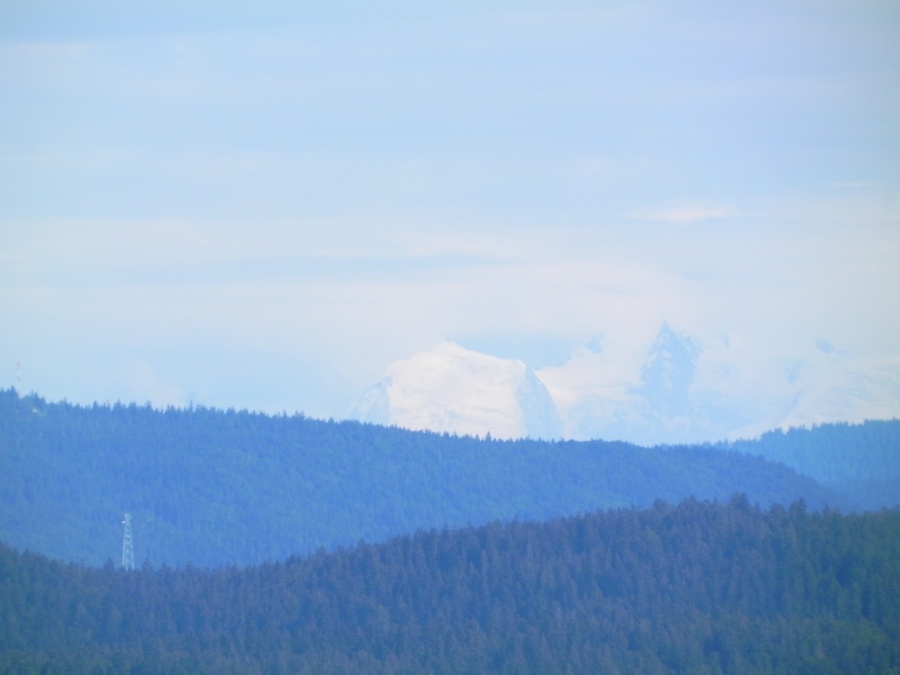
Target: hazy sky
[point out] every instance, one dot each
(262, 205)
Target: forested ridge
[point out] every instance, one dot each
(696, 588)
(211, 487)
(861, 461)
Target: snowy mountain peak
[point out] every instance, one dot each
(452, 389)
(668, 372)
(675, 392)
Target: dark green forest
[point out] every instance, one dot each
(695, 588)
(213, 487)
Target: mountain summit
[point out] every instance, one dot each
(650, 401)
(668, 372)
(453, 389)
(679, 389)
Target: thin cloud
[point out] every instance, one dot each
(690, 213)
(857, 184)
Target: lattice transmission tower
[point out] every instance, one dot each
(127, 549)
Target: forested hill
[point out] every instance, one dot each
(861, 461)
(212, 487)
(697, 588)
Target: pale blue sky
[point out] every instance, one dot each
(262, 206)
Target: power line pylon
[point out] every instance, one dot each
(127, 549)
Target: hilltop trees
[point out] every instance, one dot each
(212, 487)
(695, 588)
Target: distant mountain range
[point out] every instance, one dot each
(681, 390)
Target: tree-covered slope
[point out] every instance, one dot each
(861, 461)
(216, 487)
(698, 588)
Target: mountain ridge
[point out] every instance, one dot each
(697, 587)
(223, 487)
(682, 389)
(456, 390)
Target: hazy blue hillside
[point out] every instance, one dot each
(861, 461)
(698, 588)
(216, 487)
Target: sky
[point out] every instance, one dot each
(263, 205)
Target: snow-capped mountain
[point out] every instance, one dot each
(652, 405)
(456, 390)
(689, 390)
(682, 389)
(668, 373)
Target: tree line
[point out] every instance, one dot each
(211, 487)
(860, 461)
(701, 587)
